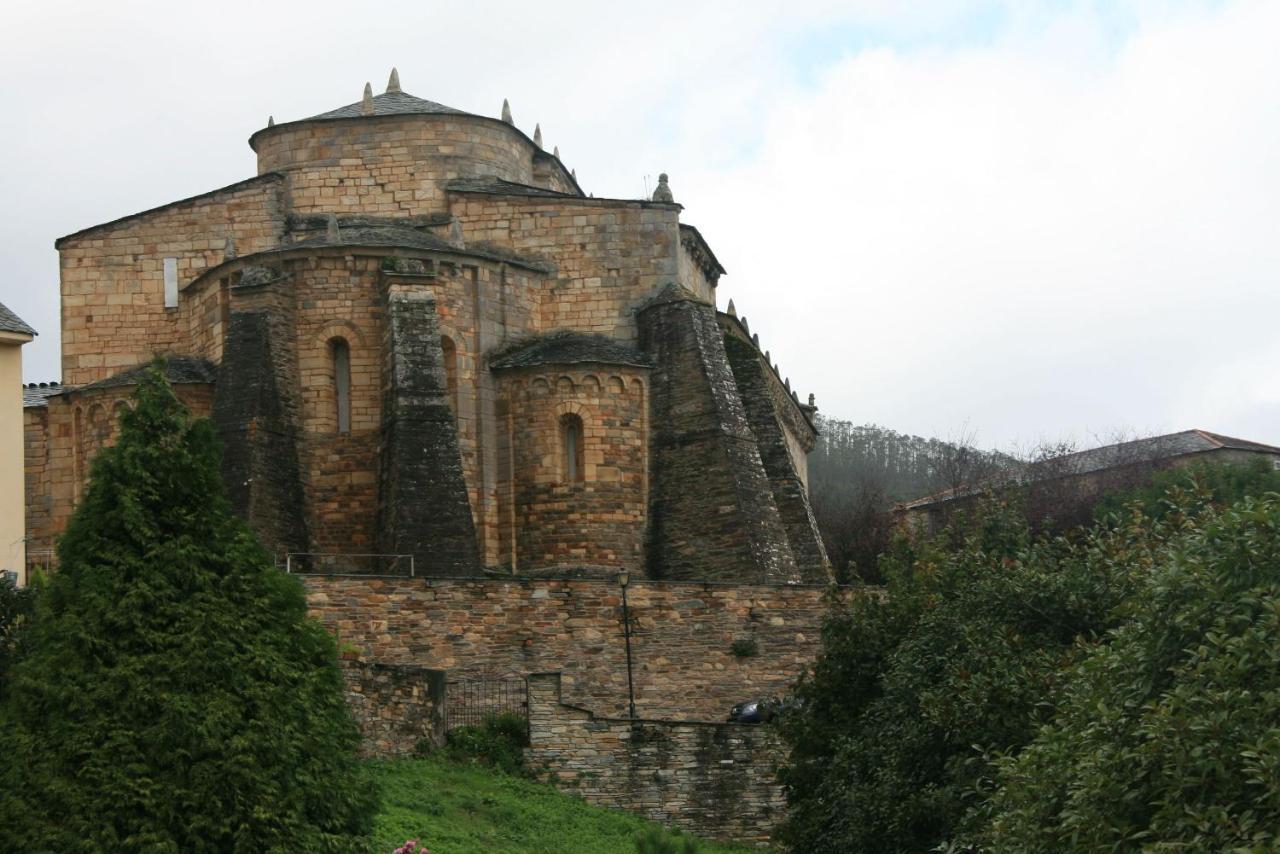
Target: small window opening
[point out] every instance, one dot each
(341, 354)
(571, 438)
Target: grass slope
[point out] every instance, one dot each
(461, 809)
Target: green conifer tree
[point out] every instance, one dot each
(176, 697)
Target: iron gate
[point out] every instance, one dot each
(469, 701)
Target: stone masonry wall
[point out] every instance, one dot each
(396, 706)
(39, 500)
(339, 298)
(598, 520)
(716, 780)
(683, 664)
(113, 312)
(609, 255)
(389, 165)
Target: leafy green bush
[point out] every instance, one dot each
(1168, 736)
(915, 689)
(1117, 689)
(499, 741)
(175, 695)
(745, 648)
(1221, 484)
(17, 606)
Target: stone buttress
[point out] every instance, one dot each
(423, 509)
(712, 513)
(255, 415)
(765, 414)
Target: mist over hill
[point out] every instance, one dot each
(857, 471)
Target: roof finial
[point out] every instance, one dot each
(366, 103)
(743, 320)
(229, 248)
(767, 357)
(271, 121)
(506, 112)
(733, 312)
(574, 173)
(787, 383)
(331, 232)
(556, 152)
(755, 336)
(663, 192)
(812, 400)
(537, 135)
(393, 82)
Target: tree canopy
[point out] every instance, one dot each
(175, 696)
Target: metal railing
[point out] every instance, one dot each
(468, 702)
(331, 563)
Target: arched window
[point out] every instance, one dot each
(340, 353)
(450, 352)
(571, 448)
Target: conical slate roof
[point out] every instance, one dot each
(391, 104)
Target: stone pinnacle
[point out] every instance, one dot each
(366, 103)
(331, 232)
(271, 121)
(455, 233)
(537, 135)
(663, 191)
(229, 248)
(731, 311)
(393, 82)
(556, 152)
(506, 112)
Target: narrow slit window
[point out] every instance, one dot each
(571, 437)
(342, 383)
(450, 352)
(171, 283)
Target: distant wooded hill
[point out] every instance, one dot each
(849, 457)
(857, 471)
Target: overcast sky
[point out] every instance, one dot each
(1037, 220)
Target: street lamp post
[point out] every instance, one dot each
(624, 579)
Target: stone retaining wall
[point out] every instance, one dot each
(395, 706)
(717, 780)
(683, 663)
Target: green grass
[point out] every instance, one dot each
(462, 809)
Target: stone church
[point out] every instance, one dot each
(425, 349)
